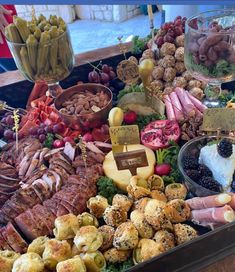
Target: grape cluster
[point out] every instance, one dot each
(104, 76)
(42, 130)
(169, 31)
(6, 127)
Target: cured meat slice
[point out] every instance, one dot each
(35, 175)
(33, 165)
(50, 179)
(41, 190)
(223, 215)
(27, 225)
(41, 223)
(66, 166)
(52, 205)
(198, 203)
(14, 239)
(46, 214)
(3, 243)
(62, 210)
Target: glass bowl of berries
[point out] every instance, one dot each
(207, 164)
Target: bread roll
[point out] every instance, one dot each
(177, 211)
(87, 219)
(29, 262)
(94, 261)
(184, 233)
(97, 205)
(71, 265)
(108, 234)
(7, 259)
(113, 255)
(38, 245)
(114, 216)
(122, 201)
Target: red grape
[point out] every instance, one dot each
(168, 38)
(40, 131)
(166, 26)
(58, 143)
(178, 31)
(48, 129)
(104, 77)
(9, 120)
(178, 23)
(42, 138)
(8, 134)
(105, 68)
(1, 131)
(33, 131)
(4, 120)
(112, 75)
(94, 77)
(171, 33)
(58, 128)
(160, 41)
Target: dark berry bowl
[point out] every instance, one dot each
(192, 172)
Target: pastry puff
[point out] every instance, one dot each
(94, 261)
(29, 262)
(7, 258)
(71, 265)
(66, 226)
(88, 239)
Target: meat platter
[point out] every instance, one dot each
(64, 204)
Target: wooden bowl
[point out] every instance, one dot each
(84, 121)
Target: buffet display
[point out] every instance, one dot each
(86, 185)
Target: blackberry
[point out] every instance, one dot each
(225, 148)
(210, 183)
(233, 185)
(204, 171)
(190, 162)
(193, 174)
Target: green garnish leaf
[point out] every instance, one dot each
(49, 140)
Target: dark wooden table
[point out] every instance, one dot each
(225, 264)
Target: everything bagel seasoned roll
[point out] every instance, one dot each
(108, 234)
(114, 216)
(165, 239)
(177, 211)
(125, 236)
(114, 255)
(122, 201)
(97, 205)
(184, 233)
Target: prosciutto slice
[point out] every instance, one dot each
(169, 108)
(199, 203)
(222, 215)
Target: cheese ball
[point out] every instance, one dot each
(97, 205)
(38, 245)
(179, 54)
(177, 211)
(29, 262)
(180, 67)
(114, 216)
(87, 219)
(167, 49)
(7, 259)
(168, 61)
(71, 265)
(148, 54)
(113, 255)
(122, 201)
(158, 72)
(55, 252)
(179, 82)
(144, 229)
(184, 233)
(94, 261)
(125, 236)
(145, 250)
(108, 234)
(88, 239)
(169, 74)
(157, 85)
(165, 239)
(66, 226)
(175, 191)
(179, 41)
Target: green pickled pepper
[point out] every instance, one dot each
(32, 48)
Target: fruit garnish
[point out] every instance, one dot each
(225, 148)
(116, 116)
(130, 117)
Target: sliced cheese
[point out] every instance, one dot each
(122, 177)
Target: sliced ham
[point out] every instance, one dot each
(197, 103)
(187, 104)
(169, 108)
(176, 106)
(223, 215)
(199, 203)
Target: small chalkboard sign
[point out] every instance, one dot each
(124, 135)
(222, 119)
(131, 160)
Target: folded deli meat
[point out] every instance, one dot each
(37, 185)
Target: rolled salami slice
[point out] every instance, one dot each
(232, 202)
(223, 215)
(199, 203)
